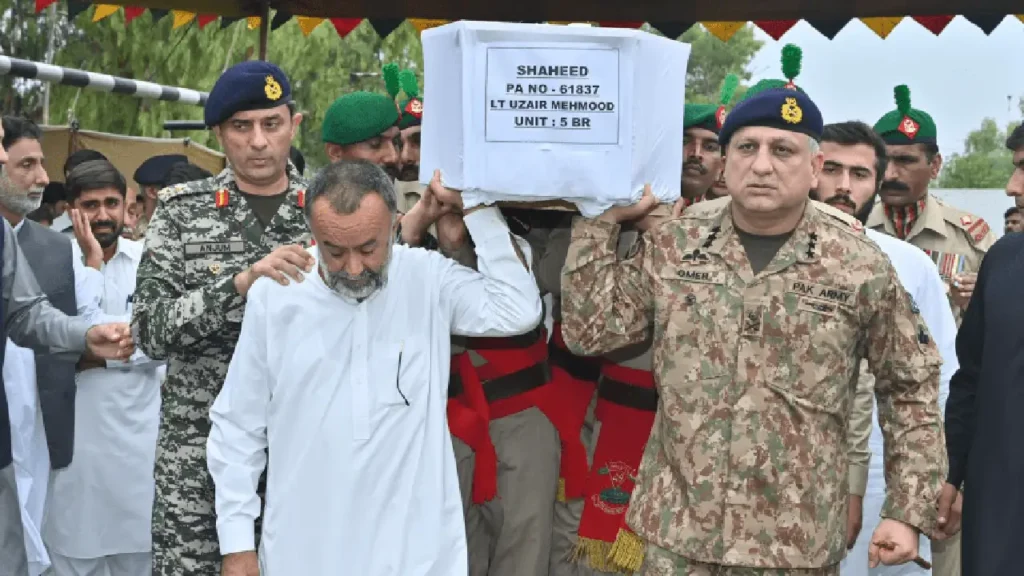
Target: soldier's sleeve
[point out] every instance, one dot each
(905, 362)
(549, 267)
(165, 318)
(606, 302)
(861, 418)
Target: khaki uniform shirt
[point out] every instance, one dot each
(955, 240)
(747, 460)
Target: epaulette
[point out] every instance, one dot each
(975, 226)
(847, 221)
(703, 210)
(190, 189)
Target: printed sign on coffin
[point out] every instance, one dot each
(536, 112)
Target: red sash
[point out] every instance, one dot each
(626, 405)
(574, 379)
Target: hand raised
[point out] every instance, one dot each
(283, 263)
(633, 212)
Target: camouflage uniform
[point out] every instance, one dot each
(187, 311)
(746, 467)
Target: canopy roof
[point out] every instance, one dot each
(592, 10)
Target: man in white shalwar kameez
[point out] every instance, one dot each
(343, 375)
(99, 512)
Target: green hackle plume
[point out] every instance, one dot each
(410, 85)
(732, 82)
(902, 93)
(792, 59)
(391, 83)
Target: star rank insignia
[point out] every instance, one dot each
(908, 127)
(221, 198)
(720, 116)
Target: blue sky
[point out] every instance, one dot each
(959, 77)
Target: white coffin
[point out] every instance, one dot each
(539, 112)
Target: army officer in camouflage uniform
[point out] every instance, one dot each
(762, 308)
(208, 242)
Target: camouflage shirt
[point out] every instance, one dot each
(747, 460)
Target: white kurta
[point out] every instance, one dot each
(101, 505)
(920, 277)
(28, 437)
(351, 400)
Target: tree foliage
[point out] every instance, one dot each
(321, 66)
(985, 162)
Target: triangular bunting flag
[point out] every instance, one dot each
(308, 24)
(1021, 18)
(204, 19)
(829, 28)
(253, 22)
(76, 7)
(182, 18)
(672, 30)
(132, 12)
(775, 28)
(934, 24)
(345, 25)
(723, 30)
(104, 10)
(987, 22)
(385, 26)
(421, 24)
(43, 4)
(157, 15)
(619, 24)
(280, 19)
(226, 21)
(883, 25)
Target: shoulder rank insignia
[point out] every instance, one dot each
(978, 230)
(908, 127)
(791, 111)
(221, 198)
(965, 220)
(857, 226)
(949, 264)
(301, 200)
(272, 89)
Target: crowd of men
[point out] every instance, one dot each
(789, 371)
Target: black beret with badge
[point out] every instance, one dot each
(251, 85)
(153, 172)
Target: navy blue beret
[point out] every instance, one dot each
(251, 85)
(782, 108)
(154, 170)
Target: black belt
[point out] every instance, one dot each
(507, 386)
(580, 368)
(629, 396)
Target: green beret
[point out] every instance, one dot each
(412, 107)
(357, 117)
(792, 60)
(905, 125)
(711, 116)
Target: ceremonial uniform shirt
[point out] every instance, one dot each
(747, 462)
(955, 240)
(361, 477)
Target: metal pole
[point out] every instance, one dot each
(51, 41)
(264, 28)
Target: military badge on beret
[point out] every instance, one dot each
(415, 108)
(273, 89)
(908, 127)
(791, 111)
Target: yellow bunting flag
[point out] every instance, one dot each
(1020, 17)
(882, 26)
(181, 18)
(253, 22)
(308, 24)
(421, 24)
(103, 11)
(723, 30)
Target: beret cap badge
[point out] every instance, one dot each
(791, 111)
(272, 89)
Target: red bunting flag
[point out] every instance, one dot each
(43, 4)
(775, 28)
(345, 25)
(204, 19)
(132, 12)
(934, 24)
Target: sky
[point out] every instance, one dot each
(959, 77)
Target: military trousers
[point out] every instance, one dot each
(661, 562)
(13, 559)
(511, 535)
(566, 519)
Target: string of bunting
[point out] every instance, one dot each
(882, 26)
